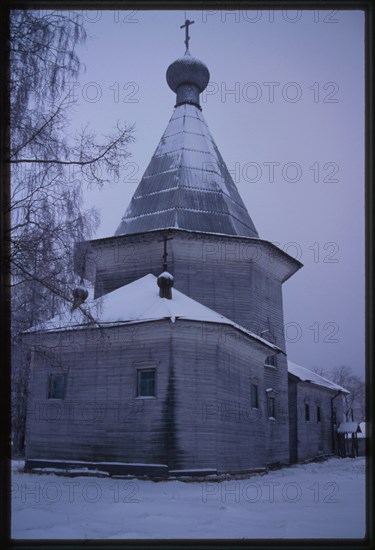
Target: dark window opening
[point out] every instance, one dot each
(270, 406)
(318, 413)
(146, 383)
(254, 395)
(334, 417)
(56, 386)
(307, 412)
(271, 361)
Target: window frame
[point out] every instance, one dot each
(307, 412)
(271, 400)
(254, 386)
(273, 364)
(50, 385)
(318, 413)
(139, 371)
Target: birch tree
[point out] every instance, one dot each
(50, 167)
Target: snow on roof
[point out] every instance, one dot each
(139, 302)
(348, 428)
(166, 275)
(306, 375)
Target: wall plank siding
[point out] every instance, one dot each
(201, 416)
(315, 438)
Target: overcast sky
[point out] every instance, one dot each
(285, 105)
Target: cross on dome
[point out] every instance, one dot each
(186, 27)
(187, 76)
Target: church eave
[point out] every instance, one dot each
(115, 239)
(100, 325)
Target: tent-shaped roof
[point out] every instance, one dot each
(139, 302)
(187, 184)
(306, 375)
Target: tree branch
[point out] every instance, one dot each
(93, 160)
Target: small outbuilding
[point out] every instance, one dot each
(315, 412)
(347, 436)
(362, 439)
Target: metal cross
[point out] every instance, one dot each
(186, 27)
(165, 255)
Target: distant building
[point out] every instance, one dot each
(315, 412)
(352, 438)
(183, 369)
(363, 439)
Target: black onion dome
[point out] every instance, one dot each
(188, 70)
(165, 283)
(165, 279)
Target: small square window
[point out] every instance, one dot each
(318, 418)
(56, 386)
(254, 395)
(307, 412)
(270, 406)
(271, 361)
(146, 383)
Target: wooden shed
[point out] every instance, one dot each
(363, 439)
(347, 437)
(315, 411)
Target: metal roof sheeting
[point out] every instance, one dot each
(187, 184)
(306, 375)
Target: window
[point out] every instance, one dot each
(334, 416)
(270, 406)
(56, 386)
(254, 395)
(307, 412)
(318, 413)
(146, 383)
(271, 361)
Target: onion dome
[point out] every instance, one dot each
(165, 283)
(188, 77)
(80, 295)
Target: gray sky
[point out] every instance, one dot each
(297, 83)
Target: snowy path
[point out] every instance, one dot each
(317, 500)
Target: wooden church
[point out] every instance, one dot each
(175, 364)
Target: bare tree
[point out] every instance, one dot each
(49, 169)
(343, 376)
(320, 370)
(354, 402)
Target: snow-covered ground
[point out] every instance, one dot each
(316, 500)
